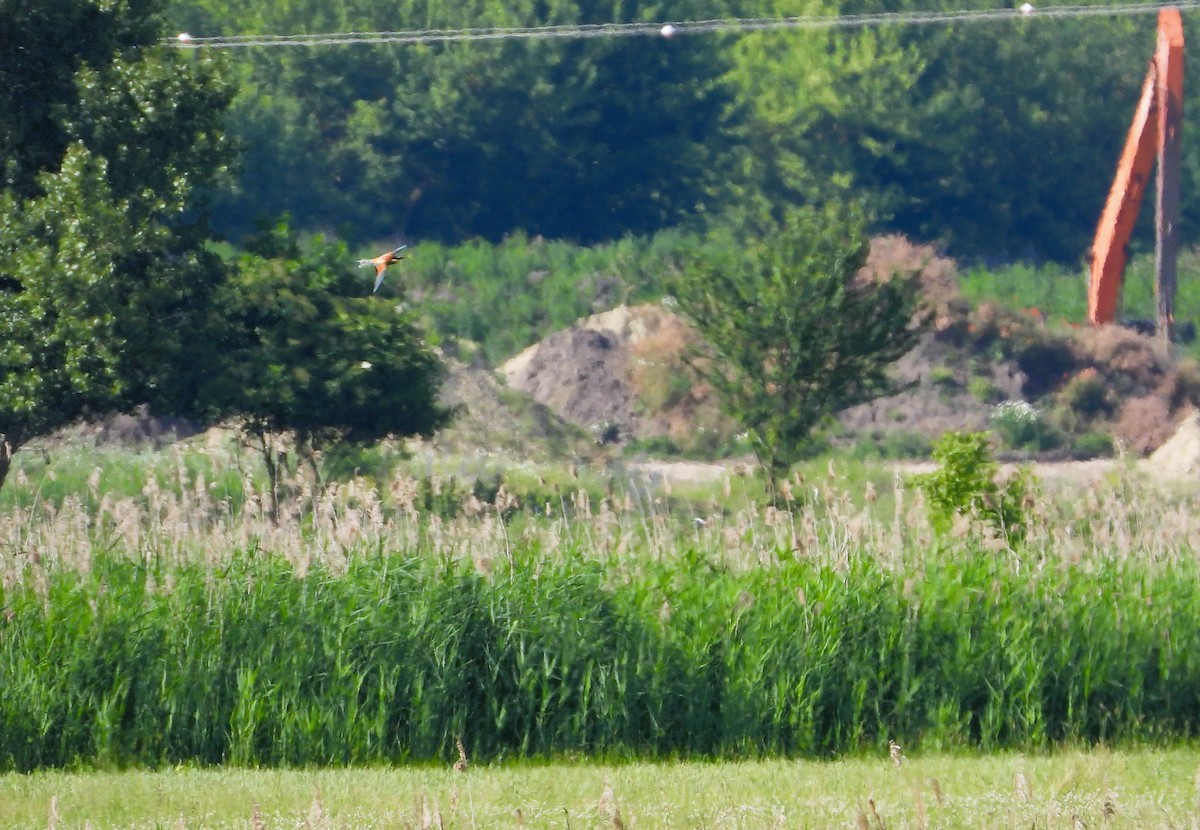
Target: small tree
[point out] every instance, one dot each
(967, 483)
(796, 332)
(311, 353)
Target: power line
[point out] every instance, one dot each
(673, 28)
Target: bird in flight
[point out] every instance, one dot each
(381, 263)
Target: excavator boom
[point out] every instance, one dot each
(1121, 210)
(1154, 129)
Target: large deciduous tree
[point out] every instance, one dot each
(105, 287)
(825, 109)
(1014, 132)
(796, 330)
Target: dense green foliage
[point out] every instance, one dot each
(998, 139)
(504, 297)
(110, 293)
(1059, 293)
(395, 657)
(586, 139)
(105, 288)
(965, 485)
(796, 333)
(981, 137)
(996, 148)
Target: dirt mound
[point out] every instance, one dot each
(492, 419)
(1147, 390)
(622, 376)
(619, 375)
(1136, 364)
(939, 389)
(896, 254)
(1179, 456)
(580, 373)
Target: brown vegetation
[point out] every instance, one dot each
(1144, 424)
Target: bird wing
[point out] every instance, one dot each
(382, 262)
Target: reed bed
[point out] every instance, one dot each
(181, 622)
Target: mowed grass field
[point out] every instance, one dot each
(1069, 789)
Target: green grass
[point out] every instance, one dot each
(383, 617)
(1059, 293)
(389, 656)
(47, 475)
(510, 295)
(1101, 788)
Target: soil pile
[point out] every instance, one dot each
(491, 419)
(1179, 457)
(581, 373)
(621, 375)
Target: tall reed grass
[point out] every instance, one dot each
(176, 625)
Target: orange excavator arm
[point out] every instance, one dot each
(1161, 92)
(1121, 209)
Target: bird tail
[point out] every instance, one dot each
(396, 253)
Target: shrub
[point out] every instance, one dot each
(1133, 364)
(943, 378)
(1087, 394)
(343, 462)
(897, 444)
(1182, 384)
(796, 333)
(1021, 426)
(1045, 358)
(1092, 445)
(966, 484)
(1145, 423)
(652, 445)
(983, 390)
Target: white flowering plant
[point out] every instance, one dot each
(1020, 425)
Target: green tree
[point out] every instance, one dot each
(967, 483)
(586, 138)
(105, 287)
(310, 353)
(825, 110)
(796, 331)
(995, 139)
(1013, 133)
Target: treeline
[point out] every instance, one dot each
(130, 662)
(998, 139)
